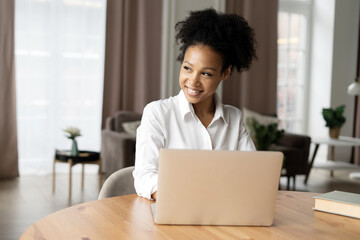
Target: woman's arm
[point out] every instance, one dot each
(149, 139)
(153, 196)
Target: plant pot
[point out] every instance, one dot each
(334, 132)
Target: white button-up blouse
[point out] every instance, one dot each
(172, 123)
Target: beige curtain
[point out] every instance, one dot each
(8, 131)
(132, 55)
(256, 89)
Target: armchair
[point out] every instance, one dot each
(295, 147)
(118, 146)
(296, 151)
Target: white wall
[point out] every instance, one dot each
(344, 64)
(174, 11)
(333, 65)
(321, 64)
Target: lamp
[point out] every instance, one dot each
(354, 88)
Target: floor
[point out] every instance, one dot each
(25, 200)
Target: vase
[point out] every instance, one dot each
(74, 148)
(334, 132)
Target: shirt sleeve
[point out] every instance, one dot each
(245, 141)
(150, 137)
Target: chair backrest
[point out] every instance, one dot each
(115, 122)
(119, 183)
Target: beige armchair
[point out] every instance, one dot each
(118, 146)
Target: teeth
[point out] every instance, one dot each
(192, 91)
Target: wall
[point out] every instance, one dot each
(321, 63)
(344, 64)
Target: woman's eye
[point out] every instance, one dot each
(207, 74)
(186, 68)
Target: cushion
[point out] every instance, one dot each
(125, 116)
(262, 119)
(130, 127)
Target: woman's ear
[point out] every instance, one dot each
(226, 74)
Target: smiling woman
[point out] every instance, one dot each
(200, 75)
(59, 51)
(212, 45)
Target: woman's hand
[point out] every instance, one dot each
(153, 196)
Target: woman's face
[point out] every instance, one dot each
(200, 73)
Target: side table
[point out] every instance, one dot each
(84, 157)
(342, 141)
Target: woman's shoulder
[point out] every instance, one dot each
(161, 106)
(232, 112)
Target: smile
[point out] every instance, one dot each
(193, 92)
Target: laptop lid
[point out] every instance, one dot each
(204, 187)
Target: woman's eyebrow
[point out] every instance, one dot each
(209, 68)
(206, 68)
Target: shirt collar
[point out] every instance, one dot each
(187, 108)
(219, 110)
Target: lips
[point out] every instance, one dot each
(193, 92)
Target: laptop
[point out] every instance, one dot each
(213, 187)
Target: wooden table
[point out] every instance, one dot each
(342, 141)
(130, 217)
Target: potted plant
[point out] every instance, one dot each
(264, 136)
(334, 120)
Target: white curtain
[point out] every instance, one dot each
(59, 57)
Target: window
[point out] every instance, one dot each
(59, 54)
(293, 54)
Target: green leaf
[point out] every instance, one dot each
(264, 136)
(334, 117)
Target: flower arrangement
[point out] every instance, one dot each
(72, 133)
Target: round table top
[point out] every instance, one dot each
(130, 217)
(87, 156)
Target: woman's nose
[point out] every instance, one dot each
(194, 79)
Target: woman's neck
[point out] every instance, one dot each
(205, 111)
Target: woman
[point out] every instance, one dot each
(212, 45)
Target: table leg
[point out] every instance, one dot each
(332, 157)
(53, 177)
(311, 163)
(82, 177)
(100, 174)
(70, 177)
(294, 182)
(100, 167)
(288, 183)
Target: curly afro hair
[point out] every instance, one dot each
(228, 34)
